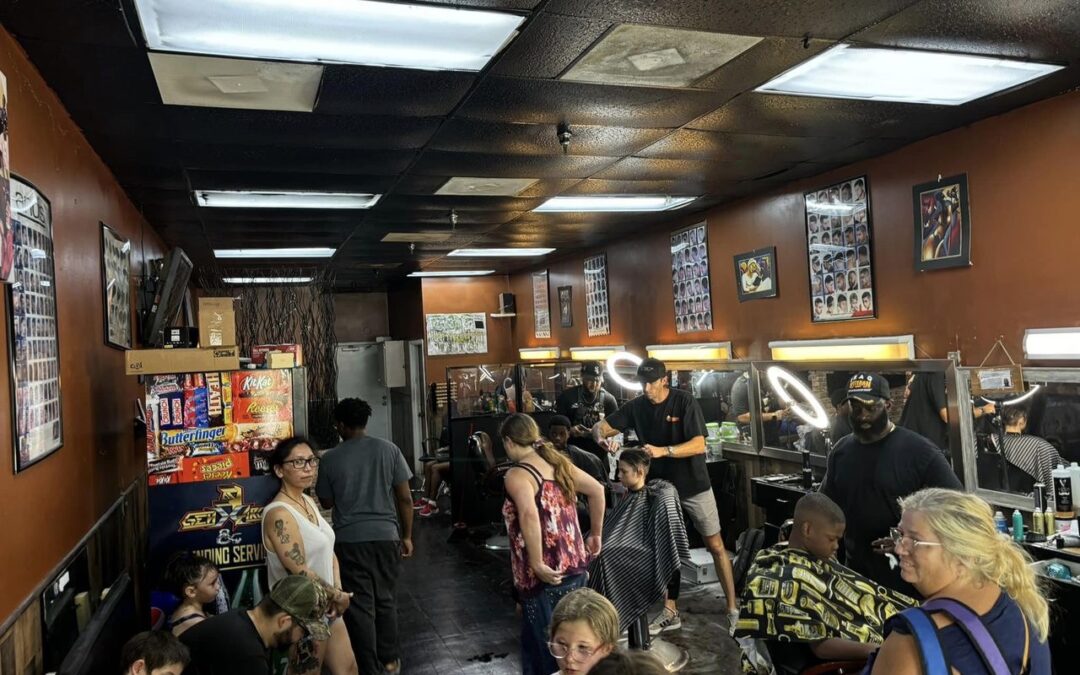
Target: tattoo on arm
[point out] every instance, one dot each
(296, 555)
(279, 528)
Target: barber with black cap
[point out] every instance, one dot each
(669, 424)
(585, 405)
(874, 467)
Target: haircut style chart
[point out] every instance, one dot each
(596, 296)
(690, 280)
(838, 236)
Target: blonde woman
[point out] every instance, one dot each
(584, 629)
(971, 577)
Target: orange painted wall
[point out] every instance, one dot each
(50, 506)
(469, 294)
(1022, 172)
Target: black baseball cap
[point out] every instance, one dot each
(868, 387)
(651, 370)
(591, 369)
(305, 601)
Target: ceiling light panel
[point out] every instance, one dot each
(499, 252)
(416, 237)
(301, 252)
(266, 280)
(453, 273)
(210, 82)
(485, 187)
(355, 32)
(613, 203)
(653, 56)
(904, 76)
(248, 199)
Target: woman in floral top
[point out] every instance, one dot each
(548, 554)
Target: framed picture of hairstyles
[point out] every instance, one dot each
(942, 224)
(755, 274)
(839, 236)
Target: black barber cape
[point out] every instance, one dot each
(644, 544)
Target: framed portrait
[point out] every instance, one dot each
(942, 224)
(755, 274)
(33, 337)
(690, 280)
(839, 236)
(566, 306)
(116, 287)
(597, 312)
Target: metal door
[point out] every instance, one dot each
(359, 375)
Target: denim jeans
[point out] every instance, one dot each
(535, 619)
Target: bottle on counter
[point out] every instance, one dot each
(999, 522)
(1063, 494)
(1037, 521)
(1049, 522)
(1074, 480)
(1018, 526)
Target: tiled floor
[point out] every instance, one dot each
(456, 615)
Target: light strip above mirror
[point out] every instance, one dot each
(698, 351)
(888, 348)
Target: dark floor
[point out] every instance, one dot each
(456, 615)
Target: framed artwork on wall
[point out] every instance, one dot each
(690, 280)
(839, 236)
(942, 224)
(541, 306)
(755, 274)
(596, 295)
(116, 287)
(450, 334)
(7, 239)
(566, 306)
(33, 336)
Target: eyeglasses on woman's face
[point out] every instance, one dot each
(900, 540)
(561, 651)
(300, 463)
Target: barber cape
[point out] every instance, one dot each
(791, 596)
(643, 546)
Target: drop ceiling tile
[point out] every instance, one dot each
(287, 159)
(209, 179)
(65, 22)
(187, 79)
(756, 66)
(436, 162)
(638, 168)
(468, 135)
(716, 146)
(549, 45)
(361, 90)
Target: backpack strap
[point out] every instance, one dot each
(969, 622)
(926, 637)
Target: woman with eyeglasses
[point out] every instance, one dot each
(584, 629)
(984, 604)
(298, 540)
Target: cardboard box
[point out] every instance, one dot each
(279, 360)
(168, 361)
(217, 322)
(259, 352)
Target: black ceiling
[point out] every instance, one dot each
(403, 133)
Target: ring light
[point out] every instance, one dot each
(619, 379)
(817, 417)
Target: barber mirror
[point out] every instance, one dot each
(714, 390)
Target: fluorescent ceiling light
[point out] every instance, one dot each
(253, 199)
(904, 76)
(656, 56)
(595, 353)
(539, 353)
(499, 252)
(266, 280)
(600, 203)
(700, 351)
(890, 348)
(211, 82)
(613, 371)
(415, 237)
(302, 252)
(453, 273)
(780, 379)
(1057, 344)
(485, 187)
(355, 32)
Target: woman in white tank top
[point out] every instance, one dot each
(298, 540)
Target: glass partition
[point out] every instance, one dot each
(485, 389)
(720, 389)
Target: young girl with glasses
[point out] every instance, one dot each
(584, 629)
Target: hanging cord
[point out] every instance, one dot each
(1000, 343)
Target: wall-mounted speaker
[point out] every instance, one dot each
(507, 304)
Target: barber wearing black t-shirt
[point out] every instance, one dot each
(585, 405)
(670, 425)
(868, 471)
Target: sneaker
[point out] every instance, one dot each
(428, 510)
(666, 620)
(419, 503)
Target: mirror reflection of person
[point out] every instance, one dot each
(585, 405)
(1031, 454)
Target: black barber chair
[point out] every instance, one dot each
(489, 485)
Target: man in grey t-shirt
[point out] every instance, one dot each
(365, 480)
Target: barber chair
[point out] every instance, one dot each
(489, 485)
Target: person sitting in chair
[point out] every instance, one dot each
(559, 434)
(1031, 454)
(805, 605)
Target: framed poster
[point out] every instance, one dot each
(690, 280)
(942, 224)
(755, 274)
(839, 233)
(597, 314)
(566, 306)
(116, 287)
(541, 307)
(33, 339)
(7, 239)
(449, 334)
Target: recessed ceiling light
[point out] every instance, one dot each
(356, 32)
(453, 273)
(249, 199)
(601, 203)
(266, 280)
(653, 56)
(212, 82)
(416, 237)
(499, 252)
(904, 76)
(485, 187)
(302, 252)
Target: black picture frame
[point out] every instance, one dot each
(843, 206)
(33, 331)
(116, 288)
(762, 259)
(691, 286)
(566, 306)
(946, 243)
